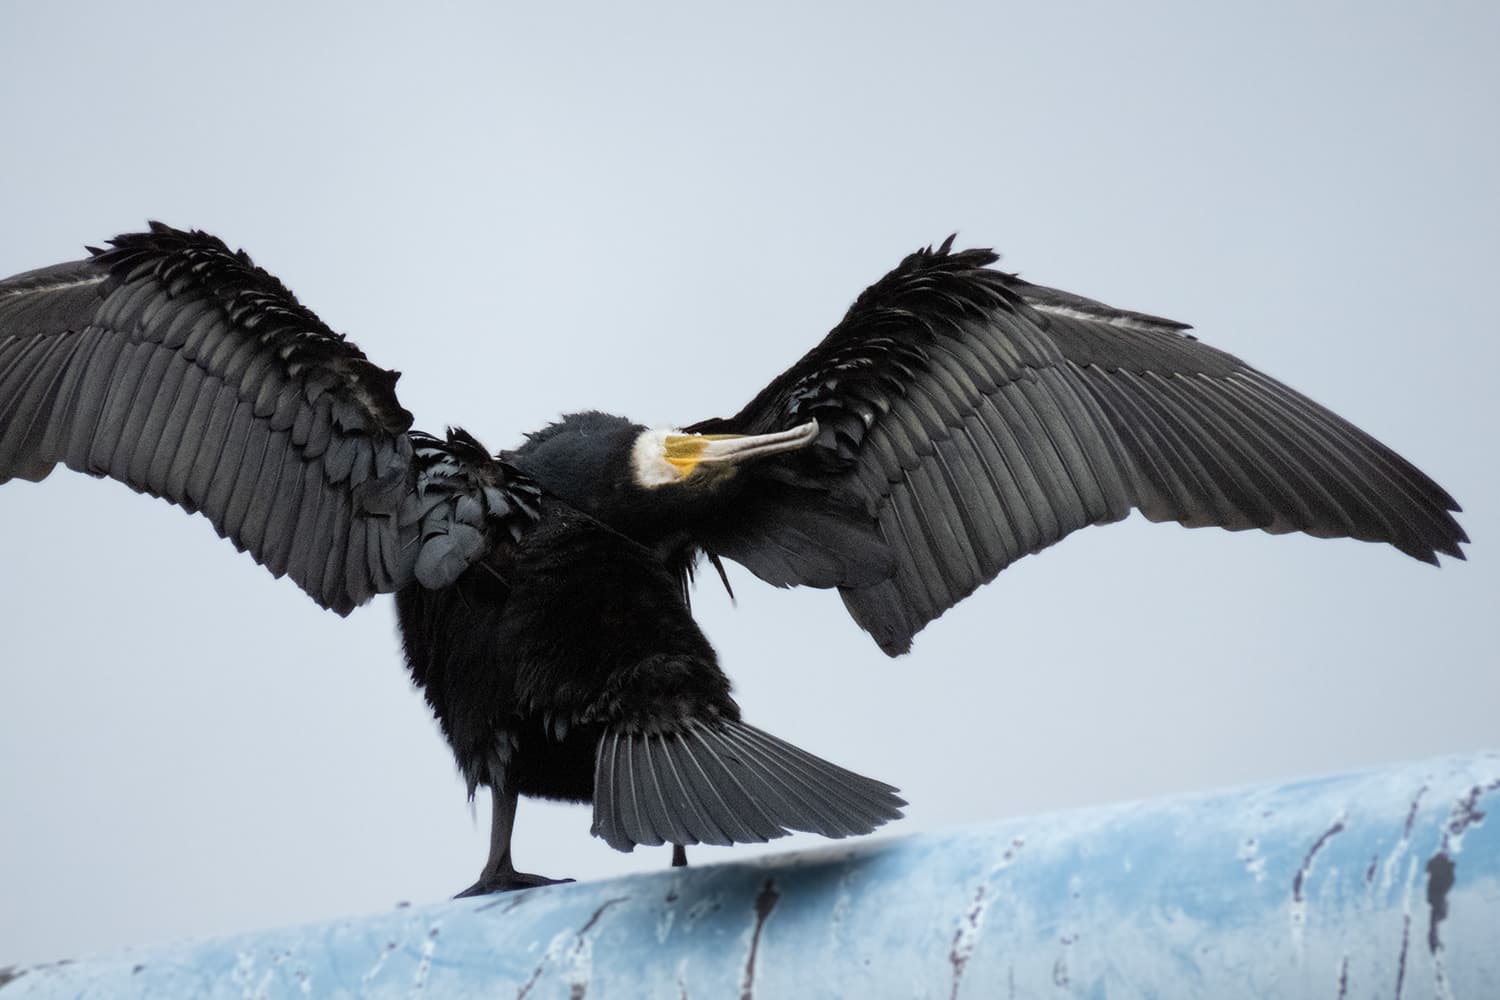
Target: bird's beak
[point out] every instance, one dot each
(687, 451)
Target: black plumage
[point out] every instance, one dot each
(957, 419)
(979, 418)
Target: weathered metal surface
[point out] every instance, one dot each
(1383, 883)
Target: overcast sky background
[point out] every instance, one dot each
(531, 209)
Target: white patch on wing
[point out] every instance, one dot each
(24, 289)
(1119, 319)
(648, 458)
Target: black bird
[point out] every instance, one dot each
(957, 419)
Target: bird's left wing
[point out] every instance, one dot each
(967, 418)
(176, 366)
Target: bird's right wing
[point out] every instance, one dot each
(967, 418)
(181, 369)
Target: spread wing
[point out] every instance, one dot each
(976, 418)
(181, 369)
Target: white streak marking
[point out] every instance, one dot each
(1110, 318)
(64, 286)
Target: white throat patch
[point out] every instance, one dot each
(648, 458)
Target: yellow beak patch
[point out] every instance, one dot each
(661, 457)
(685, 451)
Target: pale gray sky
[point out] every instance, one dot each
(652, 210)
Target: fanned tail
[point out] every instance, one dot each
(726, 782)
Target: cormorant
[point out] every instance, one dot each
(957, 419)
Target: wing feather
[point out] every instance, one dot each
(179, 368)
(980, 418)
(281, 517)
(78, 360)
(177, 430)
(23, 422)
(118, 400)
(153, 399)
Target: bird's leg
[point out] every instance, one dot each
(679, 856)
(499, 874)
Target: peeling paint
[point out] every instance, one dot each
(580, 960)
(1394, 861)
(1401, 960)
(965, 939)
(667, 916)
(244, 966)
(664, 922)
(573, 951)
(765, 902)
(380, 960)
(1440, 879)
(1249, 853)
(1312, 852)
(1442, 874)
(1466, 813)
(536, 974)
(424, 966)
(1060, 976)
(1299, 901)
(594, 919)
(703, 908)
(1206, 903)
(1008, 856)
(1408, 890)
(843, 900)
(1411, 813)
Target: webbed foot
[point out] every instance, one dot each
(507, 882)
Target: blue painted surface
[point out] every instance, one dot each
(1325, 888)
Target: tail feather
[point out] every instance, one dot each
(841, 805)
(726, 783)
(732, 817)
(697, 820)
(740, 819)
(860, 796)
(799, 811)
(606, 825)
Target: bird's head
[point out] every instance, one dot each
(629, 475)
(661, 457)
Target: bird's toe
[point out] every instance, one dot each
(507, 882)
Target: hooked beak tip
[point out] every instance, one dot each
(742, 448)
